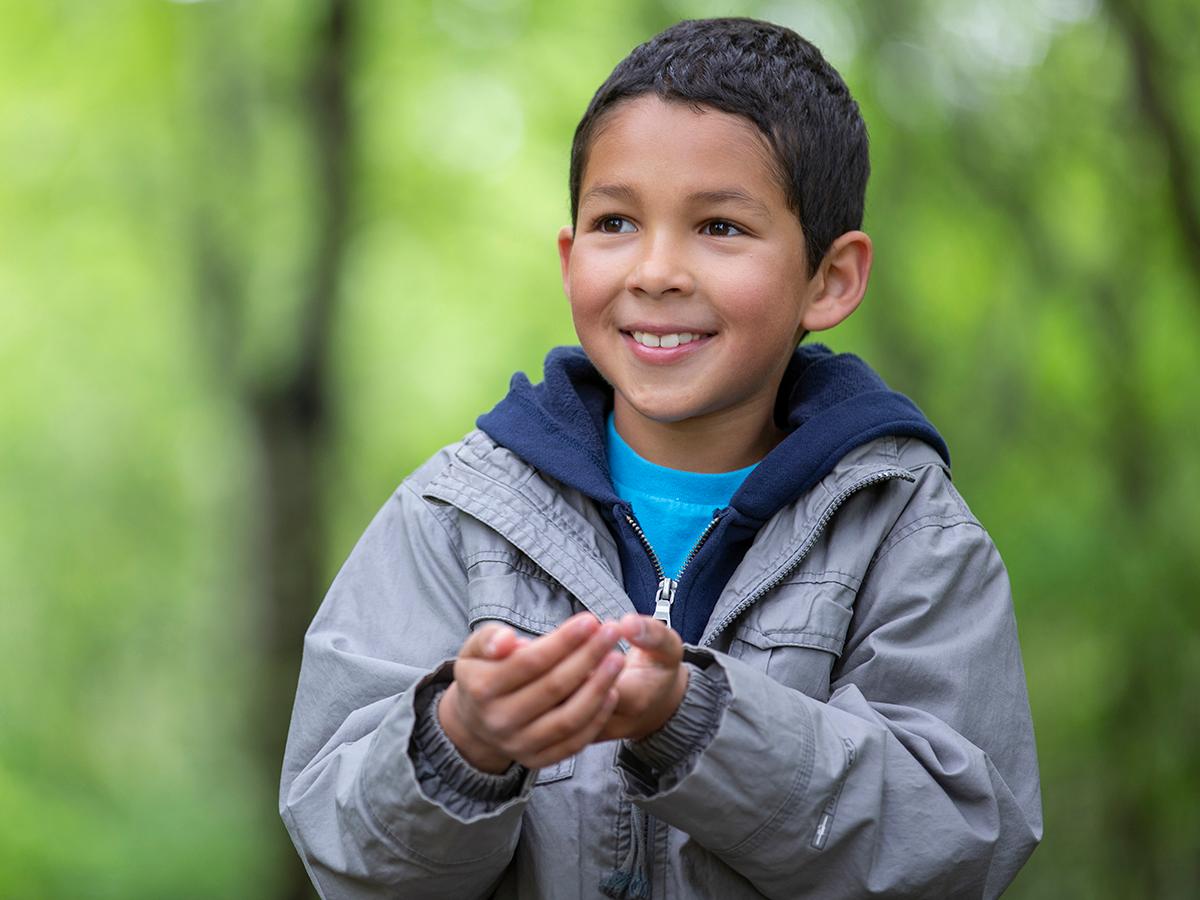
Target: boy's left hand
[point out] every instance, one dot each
(653, 682)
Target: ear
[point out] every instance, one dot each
(840, 282)
(566, 240)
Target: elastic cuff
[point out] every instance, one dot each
(443, 774)
(690, 729)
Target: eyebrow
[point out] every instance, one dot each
(730, 195)
(613, 191)
(626, 193)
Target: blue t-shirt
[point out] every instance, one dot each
(673, 507)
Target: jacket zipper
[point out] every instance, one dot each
(664, 599)
(664, 596)
(783, 573)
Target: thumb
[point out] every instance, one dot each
(655, 639)
(492, 641)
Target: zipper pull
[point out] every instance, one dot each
(663, 599)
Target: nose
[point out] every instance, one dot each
(660, 270)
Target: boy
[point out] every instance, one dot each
(822, 693)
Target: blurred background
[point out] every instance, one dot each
(259, 259)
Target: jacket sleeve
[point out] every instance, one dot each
(371, 795)
(917, 778)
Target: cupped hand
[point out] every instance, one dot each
(531, 701)
(653, 682)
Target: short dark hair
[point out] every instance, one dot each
(770, 75)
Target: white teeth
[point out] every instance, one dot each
(667, 341)
(646, 339)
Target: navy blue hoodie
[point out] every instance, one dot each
(828, 403)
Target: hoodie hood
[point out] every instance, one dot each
(828, 403)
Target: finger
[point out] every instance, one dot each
(574, 744)
(534, 659)
(503, 643)
(543, 694)
(649, 696)
(573, 725)
(652, 637)
(479, 643)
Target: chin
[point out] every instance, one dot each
(662, 411)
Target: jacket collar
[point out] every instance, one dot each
(550, 524)
(828, 403)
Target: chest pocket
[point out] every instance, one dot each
(795, 633)
(511, 588)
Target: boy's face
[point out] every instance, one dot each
(683, 230)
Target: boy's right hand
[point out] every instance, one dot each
(535, 702)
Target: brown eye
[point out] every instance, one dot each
(721, 228)
(613, 225)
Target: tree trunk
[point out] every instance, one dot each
(289, 412)
(292, 419)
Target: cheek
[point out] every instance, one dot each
(588, 289)
(586, 313)
(584, 309)
(765, 312)
(766, 300)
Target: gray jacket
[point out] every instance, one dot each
(857, 722)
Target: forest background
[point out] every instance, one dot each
(258, 260)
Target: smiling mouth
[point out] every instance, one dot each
(669, 340)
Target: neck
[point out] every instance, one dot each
(719, 442)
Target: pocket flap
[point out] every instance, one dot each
(514, 591)
(496, 613)
(799, 615)
(564, 768)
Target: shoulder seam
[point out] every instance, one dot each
(917, 525)
(443, 518)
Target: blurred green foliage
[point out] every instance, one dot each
(1036, 290)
